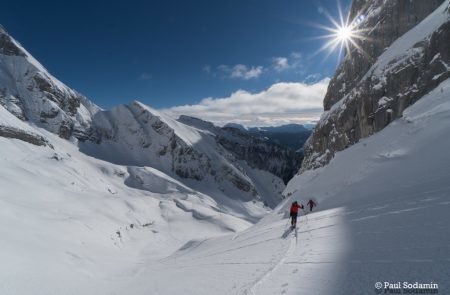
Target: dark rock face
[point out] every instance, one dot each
(68, 102)
(385, 21)
(276, 159)
(7, 46)
(377, 96)
(11, 132)
(256, 152)
(293, 136)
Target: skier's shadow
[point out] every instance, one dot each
(286, 233)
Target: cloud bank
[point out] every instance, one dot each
(281, 103)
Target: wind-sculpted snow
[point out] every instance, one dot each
(75, 215)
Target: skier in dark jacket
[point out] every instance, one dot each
(311, 204)
(294, 212)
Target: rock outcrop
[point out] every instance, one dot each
(16, 133)
(29, 92)
(383, 23)
(256, 152)
(406, 54)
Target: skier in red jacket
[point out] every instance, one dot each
(311, 204)
(294, 212)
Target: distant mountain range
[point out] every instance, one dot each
(291, 135)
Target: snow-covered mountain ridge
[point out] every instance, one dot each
(293, 136)
(254, 150)
(135, 134)
(138, 135)
(405, 55)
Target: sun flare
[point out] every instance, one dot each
(345, 34)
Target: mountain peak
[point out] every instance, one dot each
(32, 94)
(8, 46)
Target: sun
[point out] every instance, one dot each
(344, 34)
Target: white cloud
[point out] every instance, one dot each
(312, 78)
(245, 72)
(241, 71)
(281, 103)
(293, 61)
(280, 63)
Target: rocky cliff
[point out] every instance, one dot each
(258, 153)
(137, 135)
(404, 55)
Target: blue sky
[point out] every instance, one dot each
(173, 53)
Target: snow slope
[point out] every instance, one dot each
(382, 216)
(74, 224)
(394, 189)
(71, 225)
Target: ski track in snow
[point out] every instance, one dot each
(271, 271)
(261, 260)
(304, 251)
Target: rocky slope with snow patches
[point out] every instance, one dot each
(32, 94)
(374, 85)
(137, 135)
(381, 23)
(255, 151)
